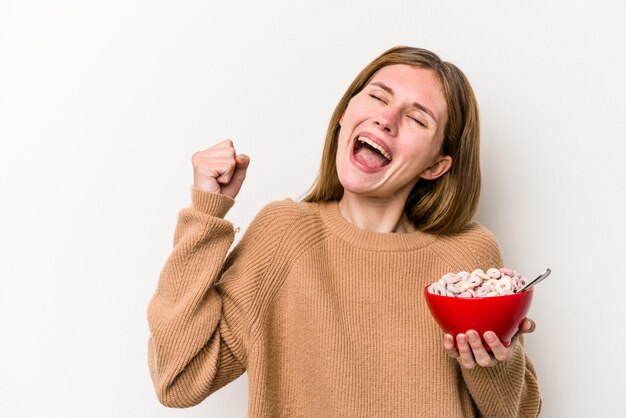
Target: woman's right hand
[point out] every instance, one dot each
(219, 169)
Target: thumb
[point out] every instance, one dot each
(528, 326)
(242, 162)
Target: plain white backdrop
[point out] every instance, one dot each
(102, 105)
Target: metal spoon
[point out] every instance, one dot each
(534, 282)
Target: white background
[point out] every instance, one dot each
(102, 105)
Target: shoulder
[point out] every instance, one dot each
(290, 225)
(285, 214)
(475, 244)
(273, 235)
(477, 236)
(288, 209)
(278, 235)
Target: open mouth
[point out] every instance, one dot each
(369, 153)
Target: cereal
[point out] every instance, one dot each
(454, 288)
(478, 283)
(437, 289)
(503, 286)
(451, 278)
(494, 273)
(480, 273)
(471, 283)
(507, 271)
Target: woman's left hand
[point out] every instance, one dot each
(471, 351)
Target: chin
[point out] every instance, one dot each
(357, 187)
(352, 182)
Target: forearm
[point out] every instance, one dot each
(508, 389)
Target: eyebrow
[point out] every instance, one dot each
(416, 104)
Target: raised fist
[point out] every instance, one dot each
(220, 169)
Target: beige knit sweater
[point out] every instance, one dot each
(329, 320)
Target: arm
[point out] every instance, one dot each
(189, 350)
(508, 386)
(198, 340)
(507, 389)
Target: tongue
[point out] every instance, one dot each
(370, 158)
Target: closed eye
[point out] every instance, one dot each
(418, 121)
(377, 98)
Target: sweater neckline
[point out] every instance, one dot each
(370, 240)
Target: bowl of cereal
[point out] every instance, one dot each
(480, 301)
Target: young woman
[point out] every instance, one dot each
(321, 301)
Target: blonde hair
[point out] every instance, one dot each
(441, 206)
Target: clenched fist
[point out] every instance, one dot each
(219, 169)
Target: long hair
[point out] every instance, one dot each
(441, 206)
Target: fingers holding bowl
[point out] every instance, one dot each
(449, 346)
(528, 326)
(498, 349)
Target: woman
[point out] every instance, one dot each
(321, 300)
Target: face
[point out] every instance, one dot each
(391, 133)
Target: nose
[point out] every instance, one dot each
(387, 120)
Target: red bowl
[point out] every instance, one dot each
(500, 314)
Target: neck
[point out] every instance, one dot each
(375, 214)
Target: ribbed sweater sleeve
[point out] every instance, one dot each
(199, 325)
(510, 388)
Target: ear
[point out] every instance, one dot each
(442, 164)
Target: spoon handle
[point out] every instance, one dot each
(537, 280)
